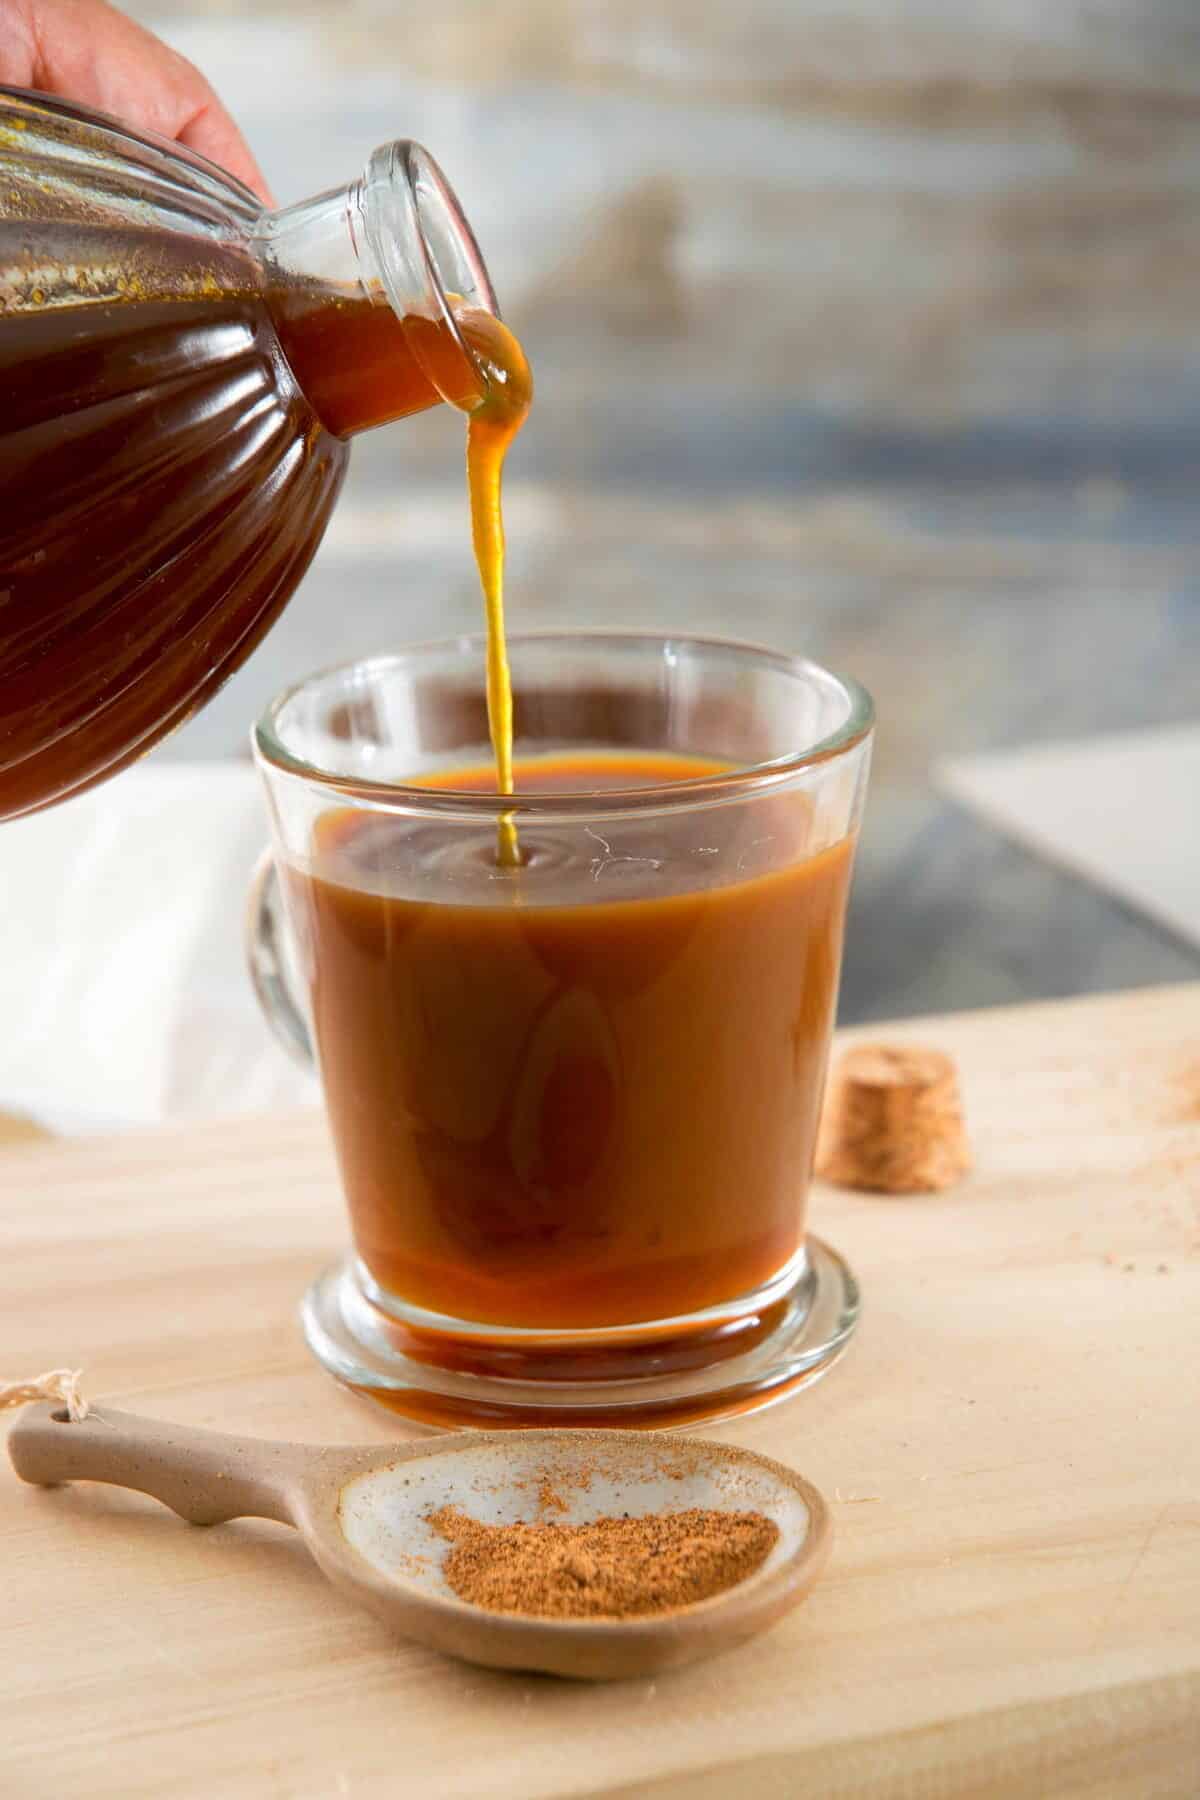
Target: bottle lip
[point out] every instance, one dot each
(408, 202)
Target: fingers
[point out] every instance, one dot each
(85, 50)
(212, 133)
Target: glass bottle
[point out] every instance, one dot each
(180, 371)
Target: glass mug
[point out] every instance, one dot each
(575, 1102)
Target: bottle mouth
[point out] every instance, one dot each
(426, 254)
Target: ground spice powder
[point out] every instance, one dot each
(607, 1569)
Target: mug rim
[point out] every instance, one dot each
(736, 782)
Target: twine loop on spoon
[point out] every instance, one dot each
(55, 1384)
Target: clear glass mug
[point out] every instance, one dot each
(574, 1103)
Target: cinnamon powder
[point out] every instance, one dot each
(607, 1569)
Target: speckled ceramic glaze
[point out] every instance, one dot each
(364, 1515)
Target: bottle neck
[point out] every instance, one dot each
(370, 287)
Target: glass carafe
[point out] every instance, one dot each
(180, 371)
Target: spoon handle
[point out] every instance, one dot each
(204, 1476)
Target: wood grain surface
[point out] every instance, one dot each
(1010, 1451)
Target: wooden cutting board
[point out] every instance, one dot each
(1011, 1449)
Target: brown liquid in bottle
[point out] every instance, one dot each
(589, 1099)
(168, 461)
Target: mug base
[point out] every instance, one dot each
(446, 1374)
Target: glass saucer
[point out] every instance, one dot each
(449, 1373)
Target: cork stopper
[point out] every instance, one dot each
(893, 1121)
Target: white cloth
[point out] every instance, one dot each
(123, 993)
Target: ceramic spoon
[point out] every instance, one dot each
(364, 1515)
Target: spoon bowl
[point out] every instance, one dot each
(365, 1516)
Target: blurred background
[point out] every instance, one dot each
(863, 329)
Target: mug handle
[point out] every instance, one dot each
(264, 940)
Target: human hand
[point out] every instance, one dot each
(87, 51)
